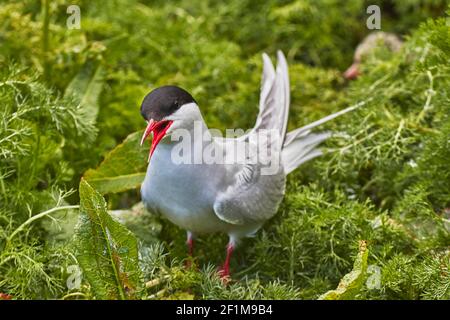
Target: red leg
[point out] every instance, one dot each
(190, 244)
(224, 272)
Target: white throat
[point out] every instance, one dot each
(187, 121)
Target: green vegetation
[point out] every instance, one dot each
(368, 220)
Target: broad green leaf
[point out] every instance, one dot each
(146, 227)
(107, 251)
(352, 282)
(86, 87)
(123, 168)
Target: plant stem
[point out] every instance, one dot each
(35, 157)
(45, 37)
(429, 94)
(38, 216)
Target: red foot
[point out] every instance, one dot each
(224, 272)
(5, 296)
(224, 275)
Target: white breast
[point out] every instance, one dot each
(184, 193)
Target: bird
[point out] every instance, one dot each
(391, 41)
(234, 197)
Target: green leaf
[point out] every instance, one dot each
(146, 227)
(86, 87)
(107, 251)
(123, 168)
(352, 282)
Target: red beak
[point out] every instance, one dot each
(352, 72)
(159, 129)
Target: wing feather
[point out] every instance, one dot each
(274, 97)
(252, 197)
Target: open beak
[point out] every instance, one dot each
(352, 72)
(159, 129)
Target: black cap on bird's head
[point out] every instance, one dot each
(159, 104)
(164, 101)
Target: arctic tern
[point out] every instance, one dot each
(231, 197)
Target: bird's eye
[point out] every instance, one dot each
(175, 103)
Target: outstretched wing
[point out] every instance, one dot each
(252, 197)
(275, 97)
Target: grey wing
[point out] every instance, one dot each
(252, 197)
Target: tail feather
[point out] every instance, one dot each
(301, 150)
(300, 132)
(300, 144)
